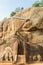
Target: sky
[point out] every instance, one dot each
(7, 6)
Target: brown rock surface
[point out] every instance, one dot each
(26, 29)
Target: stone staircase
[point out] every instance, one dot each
(21, 59)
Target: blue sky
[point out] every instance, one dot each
(7, 6)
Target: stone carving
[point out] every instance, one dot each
(26, 33)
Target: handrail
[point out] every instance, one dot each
(20, 18)
(26, 19)
(6, 41)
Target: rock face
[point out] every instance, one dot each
(22, 34)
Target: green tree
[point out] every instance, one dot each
(38, 3)
(12, 13)
(17, 10)
(41, 3)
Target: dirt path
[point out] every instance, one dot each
(21, 64)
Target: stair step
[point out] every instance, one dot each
(21, 59)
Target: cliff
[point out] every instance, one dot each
(25, 29)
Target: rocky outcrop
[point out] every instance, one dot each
(26, 29)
